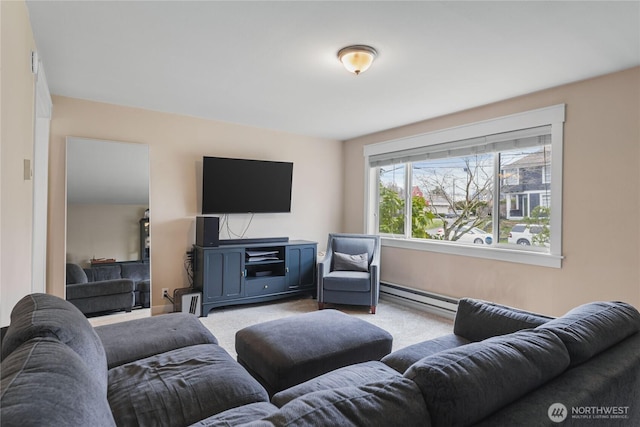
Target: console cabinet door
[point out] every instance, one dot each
(301, 266)
(223, 271)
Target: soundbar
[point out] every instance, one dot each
(250, 241)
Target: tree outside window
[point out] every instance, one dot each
(453, 197)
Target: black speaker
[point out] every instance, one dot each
(207, 231)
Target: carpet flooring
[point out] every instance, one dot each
(406, 324)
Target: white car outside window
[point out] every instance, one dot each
(523, 234)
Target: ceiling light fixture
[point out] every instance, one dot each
(357, 58)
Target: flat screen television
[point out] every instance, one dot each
(245, 186)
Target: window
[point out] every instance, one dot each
(547, 174)
(480, 190)
(392, 195)
(509, 176)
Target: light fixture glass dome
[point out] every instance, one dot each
(357, 58)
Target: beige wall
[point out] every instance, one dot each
(103, 231)
(16, 123)
(601, 169)
(176, 146)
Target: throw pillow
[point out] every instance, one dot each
(347, 262)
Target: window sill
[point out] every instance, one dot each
(496, 253)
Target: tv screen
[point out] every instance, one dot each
(245, 186)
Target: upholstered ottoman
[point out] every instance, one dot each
(286, 352)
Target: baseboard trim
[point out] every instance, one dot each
(434, 303)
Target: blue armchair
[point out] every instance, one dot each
(350, 271)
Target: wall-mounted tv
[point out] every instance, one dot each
(245, 186)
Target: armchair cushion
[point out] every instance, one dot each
(349, 281)
(348, 262)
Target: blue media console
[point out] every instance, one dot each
(244, 271)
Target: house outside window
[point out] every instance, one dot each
(509, 177)
(546, 177)
(466, 195)
(531, 165)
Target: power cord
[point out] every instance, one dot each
(226, 224)
(166, 295)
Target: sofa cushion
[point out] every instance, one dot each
(135, 271)
(144, 286)
(75, 274)
(153, 335)
(237, 416)
(180, 387)
(44, 382)
(477, 320)
(349, 376)
(463, 385)
(97, 289)
(43, 315)
(591, 328)
(389, 402)
(402, 359)
(610, 380)
(106, 272)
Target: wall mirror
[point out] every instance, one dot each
(107, 235)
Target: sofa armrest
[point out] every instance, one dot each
(136, 339)
(95, 289)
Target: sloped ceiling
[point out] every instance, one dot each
(273, 64)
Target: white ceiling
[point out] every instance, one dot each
(273, 64)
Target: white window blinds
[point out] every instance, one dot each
(523, 138)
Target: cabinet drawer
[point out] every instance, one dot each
(264, 285)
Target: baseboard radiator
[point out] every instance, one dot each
(438, 304)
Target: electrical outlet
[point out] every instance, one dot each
(165, 292)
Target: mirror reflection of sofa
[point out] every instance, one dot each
(109, 287)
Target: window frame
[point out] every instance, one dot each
(553, 116)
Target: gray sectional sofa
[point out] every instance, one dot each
(500, 367)
(57, 370)
(109, 287)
